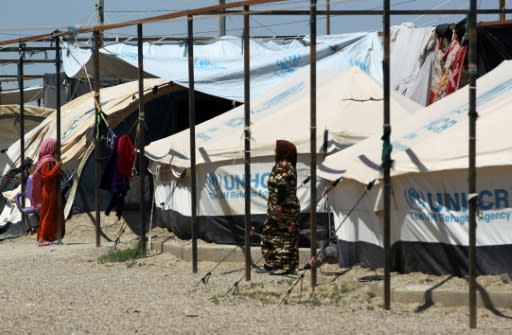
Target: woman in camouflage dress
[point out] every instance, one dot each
(280, 236)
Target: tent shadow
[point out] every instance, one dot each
(416, 160)
(429, 301)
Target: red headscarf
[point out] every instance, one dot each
(286, 151)
(47, 151)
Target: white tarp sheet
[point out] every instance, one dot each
(219, 67)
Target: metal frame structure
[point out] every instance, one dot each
(225, 9)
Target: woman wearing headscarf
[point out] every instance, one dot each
(280, 236)
(45, 190)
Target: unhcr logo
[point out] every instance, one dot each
(456, 201)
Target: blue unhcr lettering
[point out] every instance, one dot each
(287, 65)
(456, 201)
(206, 64)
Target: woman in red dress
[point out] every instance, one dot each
(45, 190)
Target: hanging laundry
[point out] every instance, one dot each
(118, 172)
(447, 68)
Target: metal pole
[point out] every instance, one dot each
(140, 144)
(101, 11)
(328, 18)
(58, 117)
(222, 20)
(502, 10)
(247, 143)
(97, 119)
(387, 146)
(192, 127)
(472, 68)
(312, 136)
(21, 84)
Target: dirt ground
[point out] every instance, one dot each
(90, 293)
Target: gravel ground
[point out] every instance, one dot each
(65, 289)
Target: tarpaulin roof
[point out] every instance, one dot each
(219, 63)
(349, 109)
(10, 97)
(78, 119)
(436, 138)
(10, 124)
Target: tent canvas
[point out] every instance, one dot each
(118, 104)
(218, 62)
(219, 65)
(12, 96)
(349, 108)
(429, 186)
(10, 125)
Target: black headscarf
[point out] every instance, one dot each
(286, 151)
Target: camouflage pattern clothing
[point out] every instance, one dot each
(280, 237)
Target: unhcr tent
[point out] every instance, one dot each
(349, 109)
(429, 204)
(119, 105)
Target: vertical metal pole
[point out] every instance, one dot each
(387, 178)
(472, 68)
(328, 18)
(101, 10)
(58, 154)
(222, 20)
(21, 85)
(502, 10)
(141, 130)
(192, 127)
(247, 143)
(312, 136)
(97, 119)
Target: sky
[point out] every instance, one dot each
(22, 18)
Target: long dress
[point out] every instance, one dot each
(280, 246)
(48, 214)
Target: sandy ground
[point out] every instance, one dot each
(66, 289)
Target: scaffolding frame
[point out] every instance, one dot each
(225, 9)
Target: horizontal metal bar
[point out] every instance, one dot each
(29, 49)
(26, 77)
(349, 12)
(15, 61)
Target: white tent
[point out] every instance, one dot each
(349, 109)
(429, 203)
